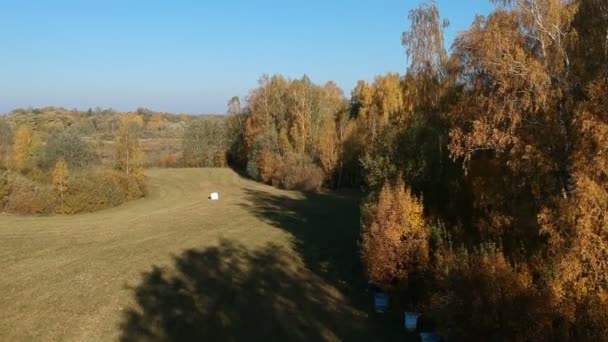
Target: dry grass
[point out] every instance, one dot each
(260, 264)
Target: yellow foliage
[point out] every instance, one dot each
(25, 147)
(128, 154)
(395, 236)
(59, 178)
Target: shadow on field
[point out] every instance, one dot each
(325, 228)
(229, 293)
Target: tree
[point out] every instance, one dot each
(6, 141)
(328, 150)
(204, 143)
(25, 148)
(69, 147)
(395, 237)
(59, 177)
(291, 120)
(128, 151)
(157, 122)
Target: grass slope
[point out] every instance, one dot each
(260, 264)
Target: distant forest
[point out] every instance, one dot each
(484, 168)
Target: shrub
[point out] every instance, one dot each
(67, 146)
(6, 142)
(4, 188)
(296, 173)
(89, 190)
(169, 160)
(395, 237)
(204, 139)
(25, 148)
(29, 198)
(480, 296)
(99, 189)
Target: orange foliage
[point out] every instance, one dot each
(395, 237)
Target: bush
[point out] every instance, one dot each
(89, 190)
(99, 189)
(295, 173)
(68, 146)
(4, 188)
(6, 142)
(203, 141)
(29, 198)
(395, 237)
(480, 296)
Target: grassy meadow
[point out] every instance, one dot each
(260, 264)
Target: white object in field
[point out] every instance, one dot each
(214, 196)
(411, 321)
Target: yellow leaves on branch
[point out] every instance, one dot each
(25, 147)
(59, 178)
(60, 175)
(128, 154)
(395, 237)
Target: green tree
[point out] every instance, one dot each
(205, 143)
(6, 141)
(69, 147)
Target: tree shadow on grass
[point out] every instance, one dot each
(325, 228)
(230, 293)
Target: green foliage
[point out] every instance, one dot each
(6, 141)
(379, 164)
(89, 190)
(92, 191)
(68, 146)
(4, 188)
(291, 120)
(205, 143)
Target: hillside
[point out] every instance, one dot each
(260, 263)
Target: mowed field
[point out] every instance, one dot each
(261, 264)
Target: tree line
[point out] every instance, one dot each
(485, 167)
(47, 172)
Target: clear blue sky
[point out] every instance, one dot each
(192, 56)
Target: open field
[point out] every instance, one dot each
(260, 264)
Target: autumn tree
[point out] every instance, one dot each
(530, 130)
(378, 104)
(205, 143)
(157, 122)
(59, 178)
(128, 156)
(25, 148)
(235, 131)
(291, 121)
(395, 236)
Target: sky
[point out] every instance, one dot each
(193, 56)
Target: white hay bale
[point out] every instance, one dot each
(214, 196)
